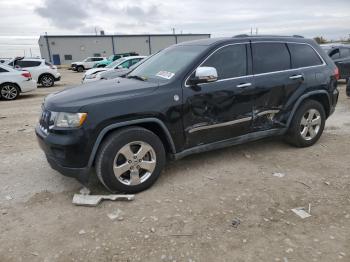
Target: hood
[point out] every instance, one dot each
(95, 70)
(72, 99)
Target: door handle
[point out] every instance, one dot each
(244, 85)
(296, 77)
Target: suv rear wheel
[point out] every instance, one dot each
(47, 80)
(130, 160)
(80, 69)
(9, 91)
(307, 124)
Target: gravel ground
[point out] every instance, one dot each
(187, 215)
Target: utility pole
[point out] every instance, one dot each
(173, 30)
(251, 31)
(256, 30)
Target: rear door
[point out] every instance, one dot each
(283, 72)
(223, 109)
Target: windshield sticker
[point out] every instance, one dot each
(165, 74)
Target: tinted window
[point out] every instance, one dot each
(270, 57)
(134, 61)
(68, 57)
(2, 70)
(335, 53)
(229, 61)
(303, 56)
(97, 54)
(97, 59)
(344, 52)
(23, 63)
(126, 64)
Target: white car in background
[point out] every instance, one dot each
(87, 63)
(94, 74)
(13, 82)
(42, 72)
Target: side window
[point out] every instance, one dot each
(11, 63)
(270, 57)
(97, 54)
(126, 64)
(89, 59)
(134, 61)
(335, 53)
(68, 57)
(229, 61)
(344, 52)
(97, 59)
(2, 70)
(23, 63)
(303, 55)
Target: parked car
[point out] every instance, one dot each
(340, 54)
(122, 63)
(13, 82)
(189, 98)
(112, 58)
(42, 72)
(87, 63)
(119, 72)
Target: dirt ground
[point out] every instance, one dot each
(187, 215)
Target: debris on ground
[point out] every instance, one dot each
(85, 191)
(236, 222)
(300, 211)
(280, 175)
(116, 215)
(309, 187)
(9, 197)
(82, 232)
(94, 200)
(210, 178)
(34, 253)
(248, 156)
(327, 183)
(21, 130)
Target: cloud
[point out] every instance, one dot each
(65, 14)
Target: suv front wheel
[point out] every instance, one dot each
(130, 160)
(47, 80)
(307, 124)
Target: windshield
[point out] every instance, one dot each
(116, 62)
(167, 63)
(110, 58)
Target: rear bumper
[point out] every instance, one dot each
(27, 86)
(62, 154)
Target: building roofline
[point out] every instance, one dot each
(123, 35)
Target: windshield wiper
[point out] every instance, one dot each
(137, 77)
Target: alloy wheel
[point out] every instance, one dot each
(46, 81)
(310, 124)
(9, 92)
(134, 163)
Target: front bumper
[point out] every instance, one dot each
(62, 153)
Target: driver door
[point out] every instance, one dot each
(220, 110)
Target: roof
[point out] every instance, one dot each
(122, 35)
(243, 38)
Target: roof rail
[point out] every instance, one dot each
(245, 35)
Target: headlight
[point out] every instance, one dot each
(93, 76)
(70, 120)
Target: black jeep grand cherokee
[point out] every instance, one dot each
(189, 98)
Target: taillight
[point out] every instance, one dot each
(26, 75)
(336, 73)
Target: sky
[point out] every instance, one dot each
(23, 21)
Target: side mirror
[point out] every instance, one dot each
(204, 74)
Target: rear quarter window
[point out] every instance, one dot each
(2, 70)
(270, 57)
(303, 56)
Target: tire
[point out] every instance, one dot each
(9, 91)
(120, 161)
(348, 88)
(47, 80)
(80, 69)
(300, 132)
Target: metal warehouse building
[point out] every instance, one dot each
(64, 49)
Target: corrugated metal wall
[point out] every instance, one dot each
(79, 47)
